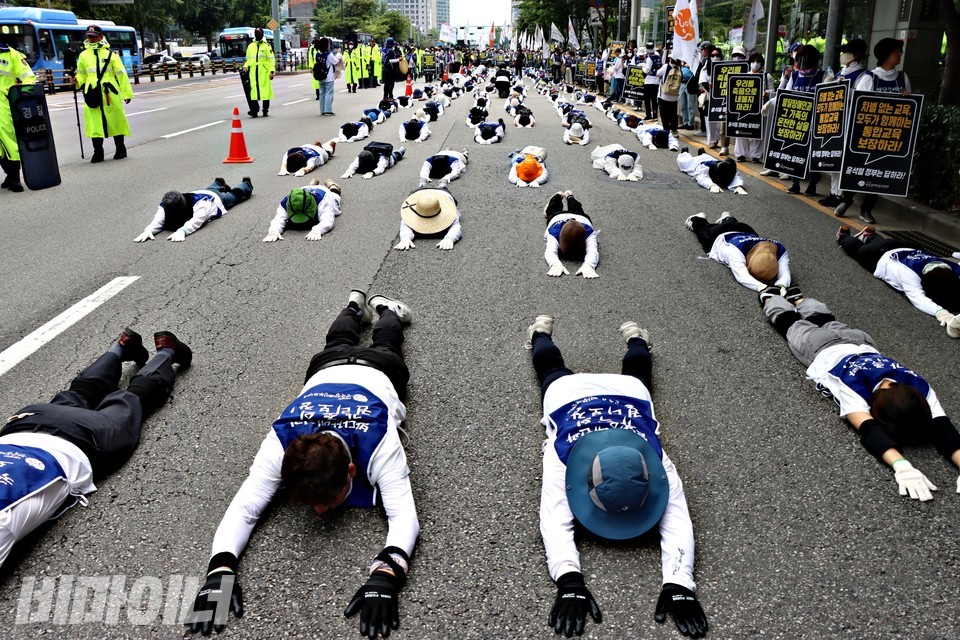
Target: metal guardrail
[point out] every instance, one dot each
(59, 80)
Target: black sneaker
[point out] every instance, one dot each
(685, 150)
(830, 201)
(221, 182)
(247, 180)
(794, 188)
(182, 355)
(768, 292)
(811, 190)
(132, 344)
(793, 294)
(867, 217)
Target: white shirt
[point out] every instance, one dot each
(327, 211)
(383, 163)
(556, 518)
(454, 233)
(515, 179)
(312, 163)
(203, 210)
(28, 514)
(649, 75)
(697, 168)
(388, 471)
(603, 161)
(552, 253)
(457, 166)
(729, 255)
(904, 279)
(362, 133)
(865, 82)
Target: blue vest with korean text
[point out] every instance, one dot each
(194, 197)
(307, 152)
(555, 228)
(851, 76)
(353, 413)
(747, 241)
(917, 259)
(25, 471)
(897, 85)
(807, 84)
(863, 372)
(598, 413)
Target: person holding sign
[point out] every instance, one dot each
(604, 468)
(651, 83)
(336, 445)
(755, 262)
(932, 284)
(889, 405)
(805, 78)
(752, 148)
(852, 56)
(712, 174)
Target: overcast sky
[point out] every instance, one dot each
(477, 12)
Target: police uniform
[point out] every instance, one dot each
(109, 118)
(13, 70)
(261, 65)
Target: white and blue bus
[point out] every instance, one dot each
(234, 41)
(43, 36)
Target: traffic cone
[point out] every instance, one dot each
(238, 148)
(445, 78)
(409, 90)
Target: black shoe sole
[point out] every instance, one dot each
(134, 350)
(182, 354)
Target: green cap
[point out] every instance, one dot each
(301, 206)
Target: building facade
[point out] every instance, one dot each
(420, 13)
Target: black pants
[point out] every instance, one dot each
(555, 206)
(668, 114)
(385, 353)
(868, 254)
(869, 200)
(549, 366)
(388, 84)
(707, 233)
(103, 421)
(650, 92)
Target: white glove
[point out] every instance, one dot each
(953, 329)
(445, 245)
(404, 244)
(587, 272)
(958, 485)
(911, 481)
(143, 237)
(533, 185)
(740, 191)
(283, 172)
(944, 317)
(346, 176)
(715, 189)
(557, 270)
(636, 176)
(314, 234)
(300, 173)
(443, 184)
(273, 236)
(522, 184)
(621, 177)
(423, 183)
(652, 147)
(178, 236)
(367, 176)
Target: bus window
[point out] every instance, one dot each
(121, 40)
(46, 44)
(64, 38)
(22, 38)
(234, 48)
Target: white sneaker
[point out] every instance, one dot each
(723, 151)
(631, 329)
(403, 311)
(724, 216)
(543, 323)
(770, 172)
(689, 221)
(360, 297)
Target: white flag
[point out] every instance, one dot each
(686, 30)
(572, 35)
(750, 30)
(555, 35)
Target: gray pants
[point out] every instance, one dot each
(807, 339)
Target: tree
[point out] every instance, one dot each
(204, 18)
(950, 18)
(389, 24)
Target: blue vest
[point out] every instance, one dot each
(318, 194)
(655, 62)
(621, 152)
(863, 372)
(807, 84)
(25, 471)
(747, 241)
(917, 259)
(412, 129)
(897, 85)
(194, 198)
(353, 413)
(307, 152)
(488, 126)
(373, 114)
(852, 76)
(598, 413)
(554, 228)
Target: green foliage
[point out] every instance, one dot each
(935, 180)
(366, 16)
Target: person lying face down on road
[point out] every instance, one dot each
(476, 116)
(300, 161)
(376, 116)
(375, 158)
(527, 170)
(336, 446)
(355, 131)
(524, 118)
(416, 128)
(431, 213)
(888, 405)
(388, 106)
(931, 283)
(570, 235)
(604, 468)
(433, 109)
(654, 137)
(617, 162)
(628, 121)
(714, 175)
(311, 208)
(755, 262)
(185, 213)
(512, 104)
(489, 132)
(445, 166)
(576, 134)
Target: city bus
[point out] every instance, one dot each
(234, 41)
(43, 36)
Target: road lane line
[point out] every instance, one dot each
(203, 126)
(287, 104)
(295, 85)
(17, 353)
(236, 95)
(137, 113)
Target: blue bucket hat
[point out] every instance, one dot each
(616, 484)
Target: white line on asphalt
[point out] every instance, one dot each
(137, 113)
(203, 126)
(236, 95)
(287, 104)
(295, 85)
(17, 353)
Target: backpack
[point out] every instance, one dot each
(320, 68)
(380, 149)
(672, 83)
(656, 63)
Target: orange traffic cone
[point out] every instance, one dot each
(445, 77)
(238, 148)
(409, 89)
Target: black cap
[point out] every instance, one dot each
(706, 44)
(856, 46)
(93, 30)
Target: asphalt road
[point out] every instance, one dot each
(800, 533)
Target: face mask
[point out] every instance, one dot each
(714, 58)
(755, 66)
(259, 37)
(739, 57)
(846, 58)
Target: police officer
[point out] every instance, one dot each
(353, 66)
(13, 70)
(101, 73)
(261, 66)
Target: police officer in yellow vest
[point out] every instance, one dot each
(13, 70)
(352, 66)
(376, 57)
(311, 60)
(261, 65)
(100, 72)
(419, 69)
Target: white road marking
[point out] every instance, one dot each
(17, 353)
(203, 126)
(287, 104)
(236, 95)
(137, 113)
(295, 85)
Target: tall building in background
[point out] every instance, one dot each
(442, 13)
(302, 8)
(421, 13)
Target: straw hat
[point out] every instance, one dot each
(429, 211)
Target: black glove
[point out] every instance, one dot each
(687, 612)
(569, 613)
(220, 593)
(376, 601)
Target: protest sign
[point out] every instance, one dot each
(829, 126)
(720, 73)
(788, 149)
(633, 83)
(744, 98)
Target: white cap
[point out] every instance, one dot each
(625, 161)
(576, 130)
